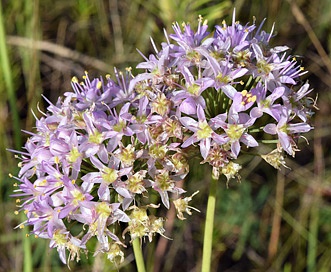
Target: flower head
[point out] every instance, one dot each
(98, 155)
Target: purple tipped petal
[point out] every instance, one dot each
(188, 106)
(229, 91)
(235, 148)
(270, 128)
(204, 147)
(189, 123)
(249, 140)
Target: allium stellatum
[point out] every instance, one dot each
(98, 153)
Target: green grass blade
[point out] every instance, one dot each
(5, 66)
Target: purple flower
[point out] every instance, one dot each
(32, 161)
(93, 94)
(142, 120)
(74, 156)
(98, 216)
(189, 97)
(93, 141)
(243, 101)
(189, 39)
(159, 69)
(235, 130)
(62, 240)
(45, 219)
(286, 130)
(266, 103)
(108, 176)
(73, 197)
(232, 38)
(273, 69)
(118, 127)
(223, 74)
(163, 184)
(203, 132)
(299, 102)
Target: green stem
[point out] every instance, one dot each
(27, 264)
(138, 255)
(209, 225)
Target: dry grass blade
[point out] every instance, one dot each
(300, 17)
(60, 51)
(276, 223)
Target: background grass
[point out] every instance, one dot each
(270, 222)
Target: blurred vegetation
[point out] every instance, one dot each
(269, 222)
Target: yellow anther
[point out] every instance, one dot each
(99, 85)
(73, 181)
(244, 92)
(252, 99)
(56, 160)
(200, 18)
(74, 79)
(10, 175)
(16, 212)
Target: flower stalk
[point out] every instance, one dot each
(138, 255)
(209, 226)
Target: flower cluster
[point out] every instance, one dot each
(100, 152)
